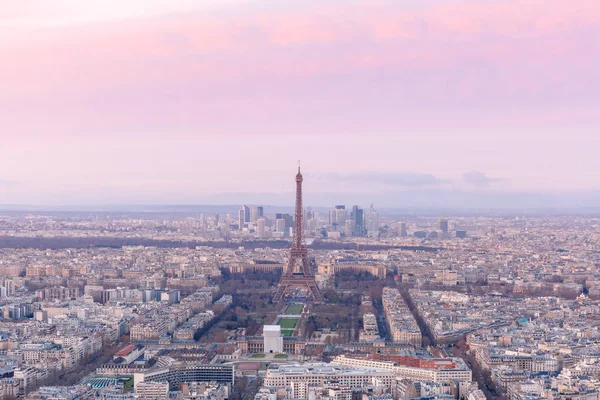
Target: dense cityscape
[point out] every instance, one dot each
(299, 200)
(152, 306)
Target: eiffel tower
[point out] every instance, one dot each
(298, 272)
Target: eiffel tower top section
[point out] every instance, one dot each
(298, 242)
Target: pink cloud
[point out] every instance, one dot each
(521, 18)
(198, 69)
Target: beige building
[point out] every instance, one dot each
(151, 390)
(402, 324)
(376, 270)
(149, 331)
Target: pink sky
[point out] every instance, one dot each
(146, 99)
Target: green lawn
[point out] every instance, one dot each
(128, 384)
(294, 309)
(257, 355)
(288, 323)
(287, 332)
(281, 356)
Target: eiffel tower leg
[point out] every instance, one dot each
(316, 293)
(279, 294)
(308, 283)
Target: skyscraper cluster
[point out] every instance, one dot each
(357, 224)
(252, 216)
(341, 222)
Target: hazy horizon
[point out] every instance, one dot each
(423, 200)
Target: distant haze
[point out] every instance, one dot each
(416, 103)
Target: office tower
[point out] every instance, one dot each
(246, 213)
(256, 213)
(308, 219)
(260, 227)
(402, 232)
(444, 225)
(242, 217)
(9, 287)
(224, 229)
(298, 272)
(349, 227)
(289, 219)
(372, 223)
(340, 216)
(332, 217)
(280, 225)
(316, 221)
(309, 214)
(357, 216)
(312, 222)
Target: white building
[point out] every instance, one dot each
(299, 377)
(265, 394)
(260, 227)
(273, 339)
(372, 223)
(280, 225)
(457, 372)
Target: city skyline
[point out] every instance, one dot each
(475, 102)
(300, 199)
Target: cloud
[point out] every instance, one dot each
(354, 67)
(479, 179)
(396, 179)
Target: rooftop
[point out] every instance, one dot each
(272, 328)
